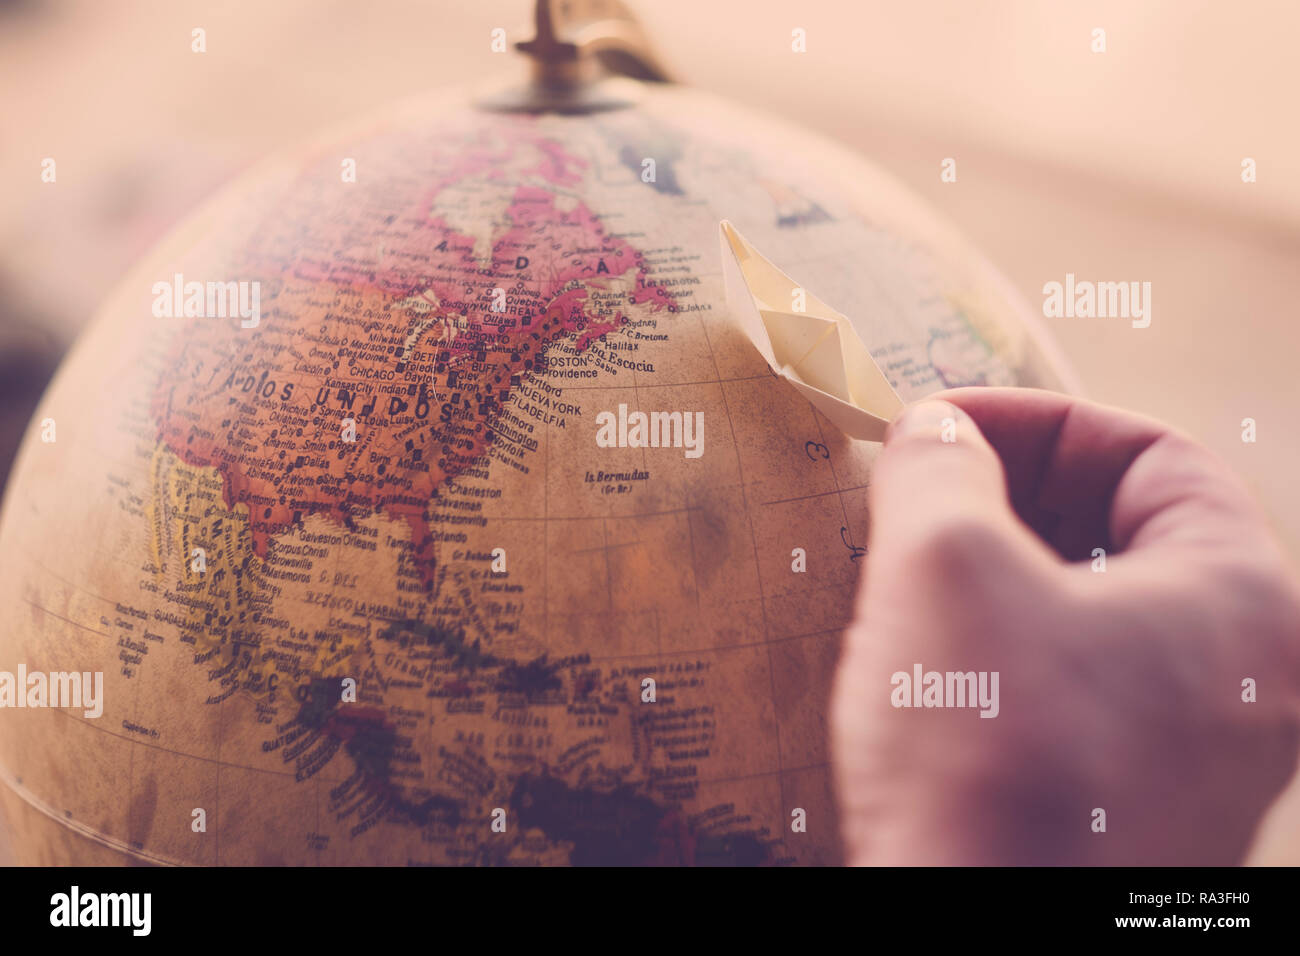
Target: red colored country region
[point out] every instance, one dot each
(378, 324)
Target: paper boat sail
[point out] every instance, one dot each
(816, 350)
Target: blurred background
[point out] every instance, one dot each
(1124, 165)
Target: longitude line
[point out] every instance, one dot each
(758, 576)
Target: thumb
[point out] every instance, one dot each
(939, 481)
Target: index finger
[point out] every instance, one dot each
(1072, 461)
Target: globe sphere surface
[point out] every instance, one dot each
(362, 585)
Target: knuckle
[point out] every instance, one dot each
(1258, 580)
(1268, 595)
(962, 543)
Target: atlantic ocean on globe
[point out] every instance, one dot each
(324, 502)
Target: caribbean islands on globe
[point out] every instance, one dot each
(329, 507)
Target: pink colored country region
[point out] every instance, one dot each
(349, 312)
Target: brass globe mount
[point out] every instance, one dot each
(586, 55)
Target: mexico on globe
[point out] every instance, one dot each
(398, 537)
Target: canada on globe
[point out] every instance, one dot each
(319, 495)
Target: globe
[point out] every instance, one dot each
(316, 515)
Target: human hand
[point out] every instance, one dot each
(1119, 689)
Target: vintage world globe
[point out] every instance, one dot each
(362, 586)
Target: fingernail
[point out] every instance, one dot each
(927, 417)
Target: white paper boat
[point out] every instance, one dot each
(816, 350)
